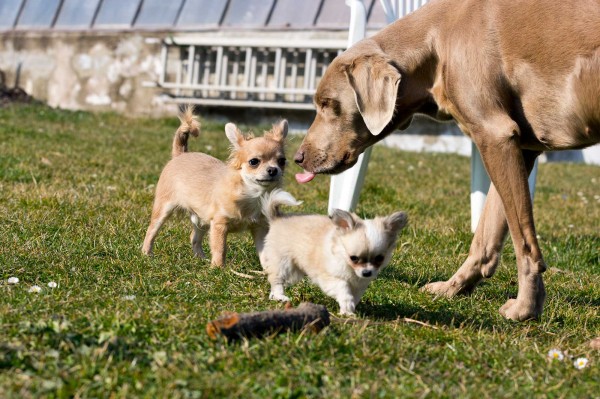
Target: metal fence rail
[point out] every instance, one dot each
(245, 72)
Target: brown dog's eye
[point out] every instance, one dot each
(378, 259)
(354, 259)
(254, 162)
(281, 162)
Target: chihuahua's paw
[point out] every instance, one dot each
(278, 297)
(347, 313)
(347, 307)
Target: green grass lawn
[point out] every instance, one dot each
(76, 191)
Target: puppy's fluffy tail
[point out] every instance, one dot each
(189, 125)
(271, 202)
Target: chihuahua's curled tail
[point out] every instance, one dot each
(189, 125)
(270, 203)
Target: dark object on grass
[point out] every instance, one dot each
(235, 326)
(14, 94)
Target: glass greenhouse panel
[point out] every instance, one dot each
(247, 13)
(158, 13)
(38, 13)
(116, 13)
(294, 14)
(201, 12)
(77, 13)
(8, 13)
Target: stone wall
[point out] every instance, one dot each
(99, 71)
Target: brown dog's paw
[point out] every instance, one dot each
(442, 288)
(514, 310)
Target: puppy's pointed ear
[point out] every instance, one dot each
(234, 135)
(375, 81)
(396, 221)
(279, 131)
(342, 219)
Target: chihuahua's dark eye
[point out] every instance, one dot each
(281, 162)
(354, 259)
(254, 162)
(379, 259)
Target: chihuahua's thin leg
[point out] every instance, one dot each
(259, 233)
(197, 236)
(277, 287)
(218, 242)
(345, 299)
(160, 213)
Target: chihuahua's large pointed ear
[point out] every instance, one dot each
(375, 81)
(342, 219)
(234, 135)
(279, 131)
(396, 221)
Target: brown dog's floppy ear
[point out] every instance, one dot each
(375, 83)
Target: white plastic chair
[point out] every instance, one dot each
(345, 188)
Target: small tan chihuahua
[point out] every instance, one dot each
(220, 197)
(341, 254)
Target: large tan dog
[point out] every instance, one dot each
(519, 78)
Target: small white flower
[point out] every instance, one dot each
(129, 297)
(35, 289)
(52, 284)
(580, 362)
(556, 354)
(571, 226)
(13, 280)
(209, 147)
(580, 193)
(111, 188)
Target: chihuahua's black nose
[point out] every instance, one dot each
(299, 157)
(367, 273)
(272, 171)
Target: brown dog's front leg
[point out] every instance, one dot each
(218, 242)
(484, 253)
(487, 243)
(486, 246)
(508, 167)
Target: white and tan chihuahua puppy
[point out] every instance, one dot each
(341, 254)
(220, 197)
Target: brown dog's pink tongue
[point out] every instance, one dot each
(304, 177)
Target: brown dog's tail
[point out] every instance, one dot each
(189, 125)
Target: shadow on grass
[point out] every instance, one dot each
(448, 317)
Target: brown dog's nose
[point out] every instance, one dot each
(299, 157)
